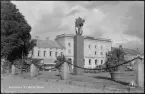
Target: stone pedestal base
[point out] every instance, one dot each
(65, 71)
(33, 70)
(139, 68)
(78, 54)
(13, 70)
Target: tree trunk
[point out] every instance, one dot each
(2, 66)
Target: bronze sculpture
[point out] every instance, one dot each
(78, 26)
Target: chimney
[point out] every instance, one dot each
(36, 37)
(47, 38)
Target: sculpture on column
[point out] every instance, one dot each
(78, 26)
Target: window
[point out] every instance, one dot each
(101, 61)
(56, 54)
(69, 44)
(95, 46)
(101, 53)
(89, 46)
(89, 61)
(84, 60)
(101, 47)
(38, 52)
(44, 53)
(96, 62)
(50, 53)
(95, 52)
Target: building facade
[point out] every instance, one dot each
(46, 50)
(95, 49)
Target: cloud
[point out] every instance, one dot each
(135, 21)
(120, 21)
(92, 4)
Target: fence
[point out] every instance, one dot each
(34, 68)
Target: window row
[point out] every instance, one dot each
(95, 61)
(50, 53)
(101, 47)
(69, 44)
(90, 46)
(101, 53)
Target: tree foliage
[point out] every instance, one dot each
(15, 32)
(114, 58)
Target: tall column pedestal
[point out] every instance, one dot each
(78, 54)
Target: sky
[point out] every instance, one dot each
(120, 21)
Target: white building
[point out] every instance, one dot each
(94, 49)
(47, 50)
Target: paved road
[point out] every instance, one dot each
(12, 84)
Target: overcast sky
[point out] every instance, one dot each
(120, 21)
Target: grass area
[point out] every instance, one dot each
(103, 77)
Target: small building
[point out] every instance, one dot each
(46, 50)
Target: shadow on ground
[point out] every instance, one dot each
(108, 78)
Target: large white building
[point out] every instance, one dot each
(94, 49)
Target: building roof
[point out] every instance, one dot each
(128, 51)
(85, 37)
(48, 44)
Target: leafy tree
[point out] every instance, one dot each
(114, 57)
(15, 33)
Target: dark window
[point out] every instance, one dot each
(44, 53)
(101, 61)
(38, 52)
(95, 52)
(69, 44)
(101, 53)
(95, 46)
(89, 46)
(84, 60)
(89, 61)
(50, 53)
(96, 62)
(55, 53)
(101, 47)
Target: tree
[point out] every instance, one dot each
(15, 32)
(114, 57)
